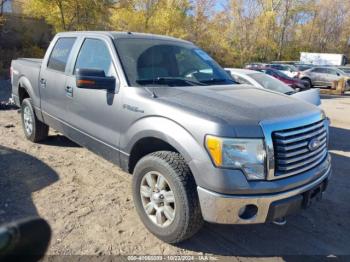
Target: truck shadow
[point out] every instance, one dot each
(323, 229)
(60, 141)
(20, 176)
(339, 139)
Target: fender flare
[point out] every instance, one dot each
(25, 83)
(169, 131)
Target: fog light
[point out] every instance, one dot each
(248, 211)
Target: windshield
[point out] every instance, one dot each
(292, 68)
(170, 63)
(271, 83)
(345, 70)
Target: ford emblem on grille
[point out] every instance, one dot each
(314, 144)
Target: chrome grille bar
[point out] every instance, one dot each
(303, 163)
(298, 152)
(300, 138)
(299, 131)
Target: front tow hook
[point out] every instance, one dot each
(280, 221)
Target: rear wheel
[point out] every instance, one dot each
(34, 129)
(165, 196)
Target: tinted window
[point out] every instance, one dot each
(94, 54)
(320, 70)
(60, 53)
(332, 71)
(150, 61)
(281, 67)
(278, 67)
(269, 72)
(303, 67)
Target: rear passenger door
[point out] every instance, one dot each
(332, 75)
(317, 76)
(52, 81)
(93, 113)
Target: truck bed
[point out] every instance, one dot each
(26, 69)
(34, 62)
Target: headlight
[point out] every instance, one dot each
(248, 155)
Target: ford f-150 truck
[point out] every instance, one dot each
(199, 146)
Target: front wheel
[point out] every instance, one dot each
(308, 82)
(34, 129)
(165, 196)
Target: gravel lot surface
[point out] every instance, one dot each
(88, 201)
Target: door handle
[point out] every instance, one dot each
(69, 91)
(42, 83)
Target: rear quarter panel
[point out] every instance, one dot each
(25, 73)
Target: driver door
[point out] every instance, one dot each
(93, 113)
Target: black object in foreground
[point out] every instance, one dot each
(27, 239)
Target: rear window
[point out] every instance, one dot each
(60, 53)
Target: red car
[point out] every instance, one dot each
(295, 83)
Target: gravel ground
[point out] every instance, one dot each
(88, 201)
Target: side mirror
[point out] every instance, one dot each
(94, 79)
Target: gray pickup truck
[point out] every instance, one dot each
(199, 146)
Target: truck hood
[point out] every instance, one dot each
(236, 105)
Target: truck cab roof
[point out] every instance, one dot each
(120, 35)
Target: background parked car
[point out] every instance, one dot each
(261, 80)
(324, 76)
(289, 70)
(255, 65)
(303, 67)
(294, 83)
(345, 69)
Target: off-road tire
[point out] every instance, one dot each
(188, 217)
(40, 130)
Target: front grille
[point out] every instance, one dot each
(292, 148)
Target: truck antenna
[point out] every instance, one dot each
(150, 91)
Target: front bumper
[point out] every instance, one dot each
(227, 209)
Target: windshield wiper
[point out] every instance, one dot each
(169, 80)
(218, 80)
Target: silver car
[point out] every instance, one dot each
(261, 80)
(323, 76)
(345, 69)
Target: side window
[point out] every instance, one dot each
(320, 70)
(278, 67)
(269, 72)
(60, 53)
(332, 72)
(94, 54)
